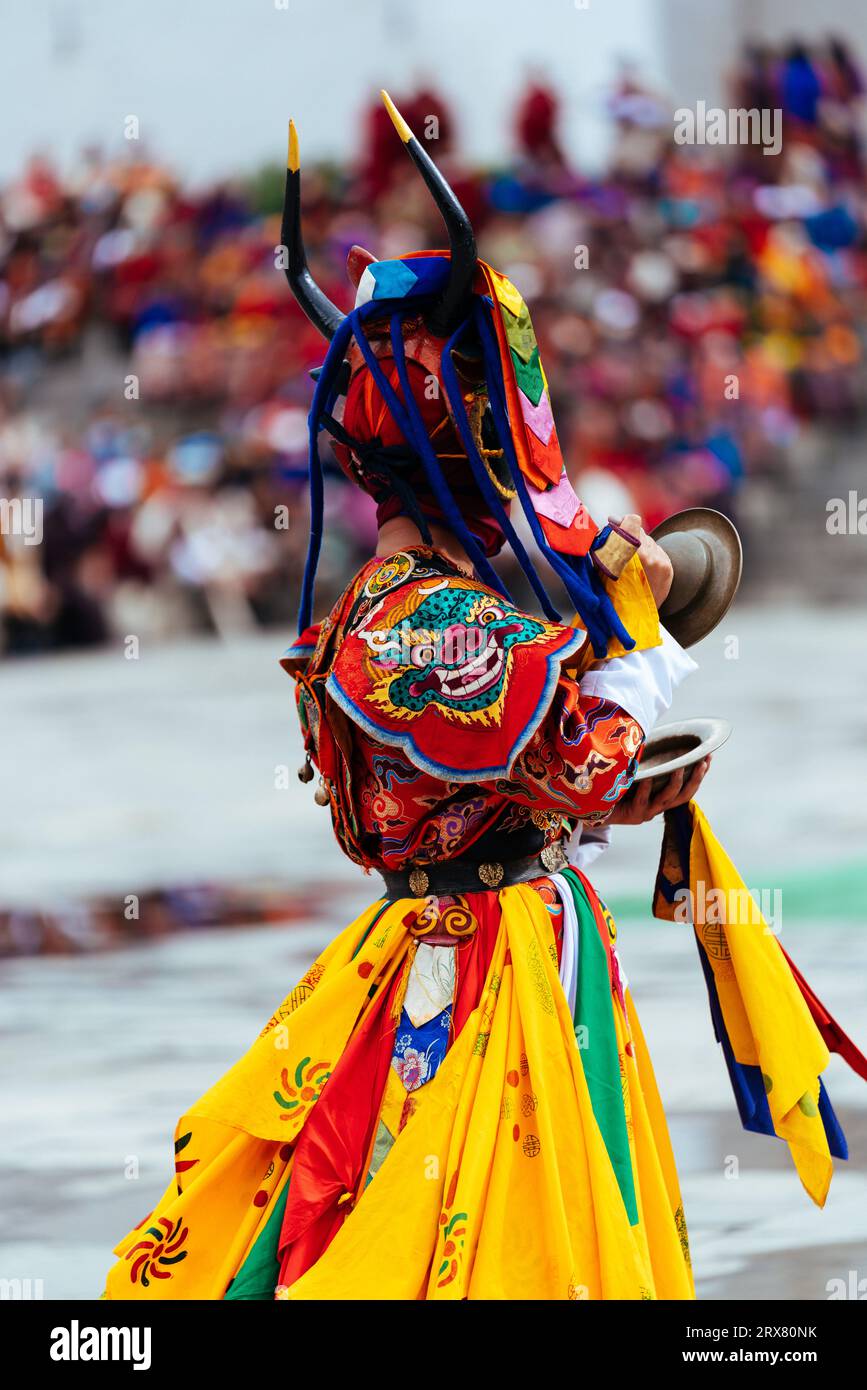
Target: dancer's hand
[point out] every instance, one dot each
(642, 802)
(656, 563)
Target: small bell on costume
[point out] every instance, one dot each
(321, 795)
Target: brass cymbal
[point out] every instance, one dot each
(705, 550)
(682, 744)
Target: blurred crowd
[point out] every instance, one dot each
(697, 306)
(75, 927)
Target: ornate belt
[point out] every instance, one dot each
(462, 876)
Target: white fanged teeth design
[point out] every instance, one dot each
(473, 676)
(460, 685)
(479, 662)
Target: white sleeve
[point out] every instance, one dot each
(587, 843)
(643, 683)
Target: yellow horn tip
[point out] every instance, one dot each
(398, 122)
(293, 162)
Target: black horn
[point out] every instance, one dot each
(451, 307)
(317, 306)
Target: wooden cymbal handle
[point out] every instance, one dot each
(618, 548)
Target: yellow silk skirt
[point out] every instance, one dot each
(501, 1185)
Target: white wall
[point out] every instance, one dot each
(213, 81)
